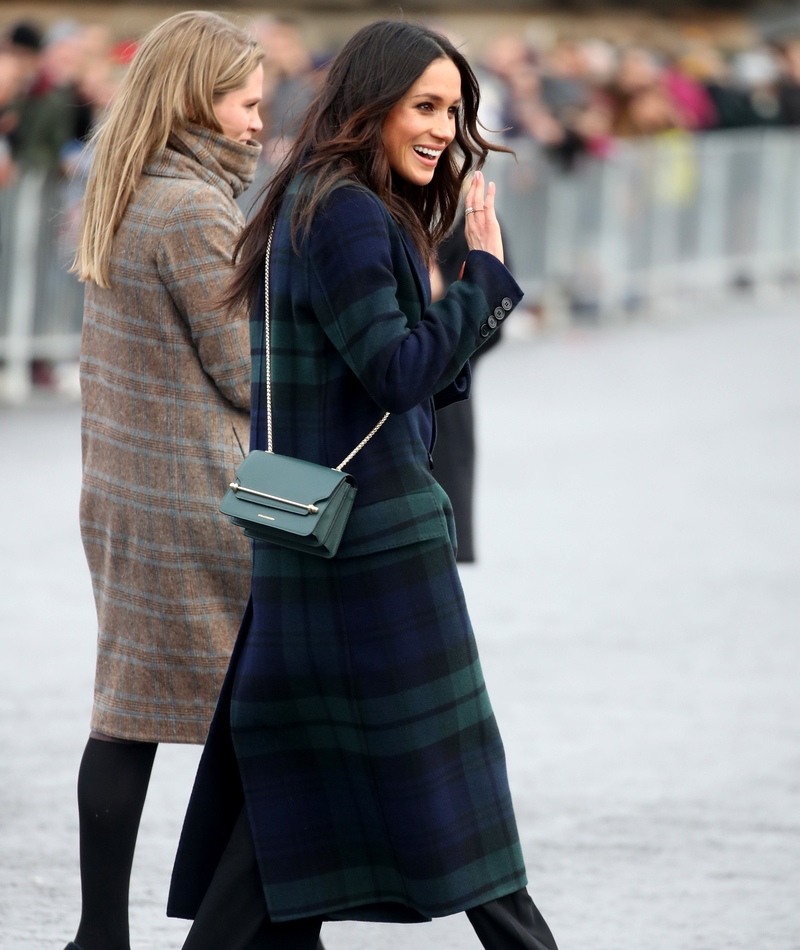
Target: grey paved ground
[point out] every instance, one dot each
(642, 646)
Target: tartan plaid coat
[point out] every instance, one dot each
(354, 721)
(165, 386)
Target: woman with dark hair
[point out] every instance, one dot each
(354, 769)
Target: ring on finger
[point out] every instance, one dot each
(469, 211)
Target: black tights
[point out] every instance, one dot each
(112, 784)
(234, 916)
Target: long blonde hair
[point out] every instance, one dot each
(181, 67)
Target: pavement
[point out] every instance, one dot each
(637, 607)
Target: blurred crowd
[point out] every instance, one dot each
(573, 97)
(56, 85)
(581, 96)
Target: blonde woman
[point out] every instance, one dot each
(165, 382)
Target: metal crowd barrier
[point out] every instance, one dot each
(41, 304)
(653, 224)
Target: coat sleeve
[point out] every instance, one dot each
(355, 298)
(457, 391)
(194, 263)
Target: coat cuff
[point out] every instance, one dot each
(501, 291)
(458, 390)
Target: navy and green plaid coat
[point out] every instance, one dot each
(354, 721)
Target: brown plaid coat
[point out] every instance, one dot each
(165, 384)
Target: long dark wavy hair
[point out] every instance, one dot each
(341, 139)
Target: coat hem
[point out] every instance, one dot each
(348, 910)
(160, 732)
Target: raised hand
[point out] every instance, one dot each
(480, 226)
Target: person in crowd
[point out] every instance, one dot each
(789, 84)
(594, 123)
(165, 390)
(511, 72)
(492, 71)
(690, 98)
(97, 77)
(552, 100)
(24, 43)
(643, 105)
(528, 113)
(706, 65)
(757, 72)
(565, 89)
(454, 455)
(289, 84)
(46, 114)
(354, 769)
(572, 77)
(46, 118)
(10, 80)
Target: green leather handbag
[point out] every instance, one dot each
(288, 501)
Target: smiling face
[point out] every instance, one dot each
(237, 111)
(423, 123)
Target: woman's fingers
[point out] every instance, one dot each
(474, 211)
(480, 226)
(472, 186)
(488, 203)
(469, 228)
(474, 197)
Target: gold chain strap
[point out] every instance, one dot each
(267, 362)
(361, 444)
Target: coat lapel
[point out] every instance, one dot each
(420, 274)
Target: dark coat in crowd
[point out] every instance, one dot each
(354, 721)
(454, 455)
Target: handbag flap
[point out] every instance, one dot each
(292, 479)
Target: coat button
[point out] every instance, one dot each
(484, 330)
(506, 303)
(499, 313)
(492, 322)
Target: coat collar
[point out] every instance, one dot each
(197, 152)
(305, 182)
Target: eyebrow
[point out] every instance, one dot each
(436, 98)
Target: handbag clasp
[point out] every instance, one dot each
(311, 509)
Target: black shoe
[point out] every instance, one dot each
(72, 946)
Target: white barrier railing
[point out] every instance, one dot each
(654, 223)
(41, 304)
(657, 221)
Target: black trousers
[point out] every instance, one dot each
(233, 915)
